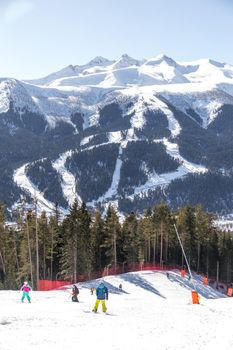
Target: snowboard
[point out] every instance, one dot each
(98, 313)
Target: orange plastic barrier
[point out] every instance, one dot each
(182, 272)
(195, 297)
(230, 292)
(44, 285)
(205, 281)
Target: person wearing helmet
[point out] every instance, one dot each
(74, 293)
(25, 289)
(101, 295)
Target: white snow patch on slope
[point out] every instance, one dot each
(78, 86)
(173, 124)
(22, 181)
(68, 180)
(4, 98)
(150, 308)
(212, 110)
(155, 180)
(53, 121)
(112, 191)
(147, 99)
(173, 150)
(12, 90)
(86, 140)
(115, 136)
(129, 137)
(138, 119)
(205, 104)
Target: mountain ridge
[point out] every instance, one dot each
(124, 131)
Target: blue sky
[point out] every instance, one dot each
(38, 37)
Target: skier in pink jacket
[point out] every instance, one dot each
(26, 288)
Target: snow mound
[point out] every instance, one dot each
(150, 307)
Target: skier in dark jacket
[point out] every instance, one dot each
(101, 295)
(74, 293)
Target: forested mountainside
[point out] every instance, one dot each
(128, 132)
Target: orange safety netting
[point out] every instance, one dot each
(45, 285)
(182, 273)
(205, 281)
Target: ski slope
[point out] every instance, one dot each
(150, 312)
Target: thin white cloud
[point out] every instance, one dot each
(12, 10)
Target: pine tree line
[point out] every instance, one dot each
(42, 247)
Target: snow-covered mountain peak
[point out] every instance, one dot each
(125, 61)
(13, 92)
(68, 71)
(160, 59)
(99, 61)
(96, 65)
(127, 71)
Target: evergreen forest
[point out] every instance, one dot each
(84, 243)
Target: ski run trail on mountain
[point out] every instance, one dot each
(23, 181)
(158, 84)
(151, 311)
(68, 183)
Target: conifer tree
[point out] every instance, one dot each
(146, 233)
(112, 234)
(130, 239)
(2, 242)
(27, 250)
(44, 245)
(85, 248)
(54, 246)
(8, 255)
(162, 221)
(79, 245)
(99, 259)
(204, 225)
(76, 254)
(225, 256)
(69, 246)
(187, 228)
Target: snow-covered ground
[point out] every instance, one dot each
(68, 180)
(151, 312)
(23, 181)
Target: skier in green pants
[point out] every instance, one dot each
(25, 289)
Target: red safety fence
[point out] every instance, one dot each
(45, 285)
(136, 267)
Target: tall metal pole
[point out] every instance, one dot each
(115, 251)
(190, 273)
(29, 250)
(51, 263)
(37, 247)
(217, 277)
(161, 244)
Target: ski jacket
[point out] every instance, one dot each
(102, 292)
(26, 288)
(75, 290)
